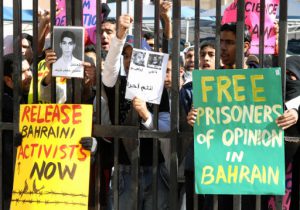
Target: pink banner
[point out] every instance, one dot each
(88, 19)
(252, 14)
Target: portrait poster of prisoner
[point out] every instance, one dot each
(68, 44)
(146, 75)
(52, 168)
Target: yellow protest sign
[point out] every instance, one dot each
(52, 169)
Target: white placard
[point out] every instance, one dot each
(146, 76)
(68, 43)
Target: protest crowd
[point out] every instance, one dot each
(129, 98)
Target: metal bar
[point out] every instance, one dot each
(53, 79)
(215, 202)
(17, 71)
(6, 126)
(156, 26)
(258, 202)
(135, 156)
(155, 141)
(116, 140)
(262, 33)
(240, 34)
(1, 68)
(138, 14)
(218, 32)
(77, 17)
(1, 98)
(69, 18)
(197, 33)
(35, 51)
(175, 104)
(283, 43)
(237, 199)
(197, 64)
(98, 61)
(98, 173)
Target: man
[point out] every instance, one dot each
(207, 62)
(189, 63)
(228, 46)
(145, 112)
(7, 115)
(67, 61)
(108, 31)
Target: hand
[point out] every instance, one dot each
(289, 118)
(89, 143)
(50, 58)
(125, 22)
(44, 19)
(165, 7)
(89, 73)
(140, 106)
(18, 139)
(192, 115)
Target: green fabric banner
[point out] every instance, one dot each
(239, 149)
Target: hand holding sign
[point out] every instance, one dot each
(289, 118)
(192, 115)
(140, 106)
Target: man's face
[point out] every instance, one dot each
(67, 46)
(207, 58)
(108, 31)
(127, 58)
(228, 48)
(27, 50)
(139, 58)
(168, 79)
(189, 60)
(26, 76)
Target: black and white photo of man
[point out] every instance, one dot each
(67, 64)
(139, 58)
(155, 61)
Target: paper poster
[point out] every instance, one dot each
(252, 19)
(52, 168)
(146, 76)
(239, 149)
(69, 48)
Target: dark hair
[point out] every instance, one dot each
(90, 48)
(148, 35)
(109, 20)
(68, 34)
(207, 43)
(232, 27)
(28, 37)
(8, 64)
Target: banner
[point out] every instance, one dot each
(252, 19)
(52, 169)
(89, 8)
(239, 149)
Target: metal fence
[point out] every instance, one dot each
(178, 135)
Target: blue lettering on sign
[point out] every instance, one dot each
(60, 21)
(89, 19)
(87, 4)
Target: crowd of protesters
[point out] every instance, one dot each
(116, 56)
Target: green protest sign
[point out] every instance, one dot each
(239, 149)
